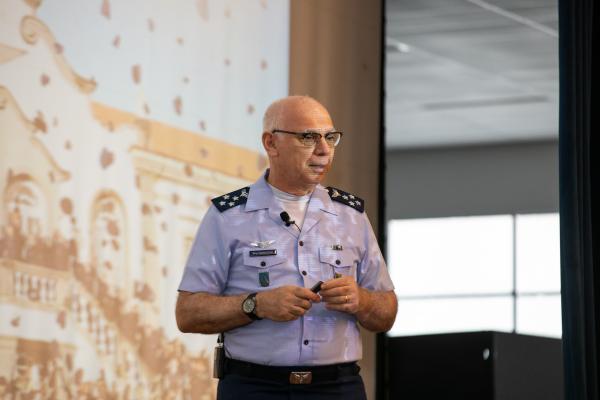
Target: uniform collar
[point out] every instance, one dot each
(261, 196)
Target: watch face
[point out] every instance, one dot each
(248, 306)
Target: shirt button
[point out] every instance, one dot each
(262, 263)
(304, 273)
(306, 342)
(301, 243)
(338, 262)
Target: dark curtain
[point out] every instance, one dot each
(580, 195)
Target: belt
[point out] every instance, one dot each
(293, 375)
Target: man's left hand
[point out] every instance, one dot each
(343, 294)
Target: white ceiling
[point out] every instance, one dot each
(461, 72)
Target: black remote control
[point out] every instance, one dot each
(317, 287)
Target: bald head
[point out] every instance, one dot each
(289, 112)
(294, 166)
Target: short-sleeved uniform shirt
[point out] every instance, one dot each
(243, 246)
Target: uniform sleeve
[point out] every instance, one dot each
(373, 273)
(207, 266)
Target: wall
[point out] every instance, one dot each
(335, 56)
(476, 180)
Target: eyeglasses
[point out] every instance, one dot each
(310, 139)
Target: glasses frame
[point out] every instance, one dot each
(301, 138)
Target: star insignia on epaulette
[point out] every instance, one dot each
(346, 198)
(230, 200)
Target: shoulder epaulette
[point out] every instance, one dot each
(346, 198)
(233, 199)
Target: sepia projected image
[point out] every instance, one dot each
(118, 124)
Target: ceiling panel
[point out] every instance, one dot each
(470, 72)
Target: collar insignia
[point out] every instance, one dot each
(346, 198)
(230, 200)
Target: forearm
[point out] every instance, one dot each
(377, 310)
(206, 313)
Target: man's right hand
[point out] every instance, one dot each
(285, 303)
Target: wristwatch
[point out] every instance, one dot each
(249, 307)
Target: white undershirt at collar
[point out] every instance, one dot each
(294, 205)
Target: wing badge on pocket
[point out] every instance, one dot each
(262, 244)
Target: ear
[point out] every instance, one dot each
(269, 143)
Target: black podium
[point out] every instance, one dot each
(475, 365)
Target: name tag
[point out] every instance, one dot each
(262, 253)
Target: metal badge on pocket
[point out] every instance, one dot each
(262, 244)
(262, 253)
(263, 278)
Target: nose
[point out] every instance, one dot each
(322, 148)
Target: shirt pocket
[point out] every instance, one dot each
(259, 267)
(338, 262)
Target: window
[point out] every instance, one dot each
(109, 246)
(456, 274)
(26, 207)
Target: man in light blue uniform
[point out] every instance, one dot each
(251, 269)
